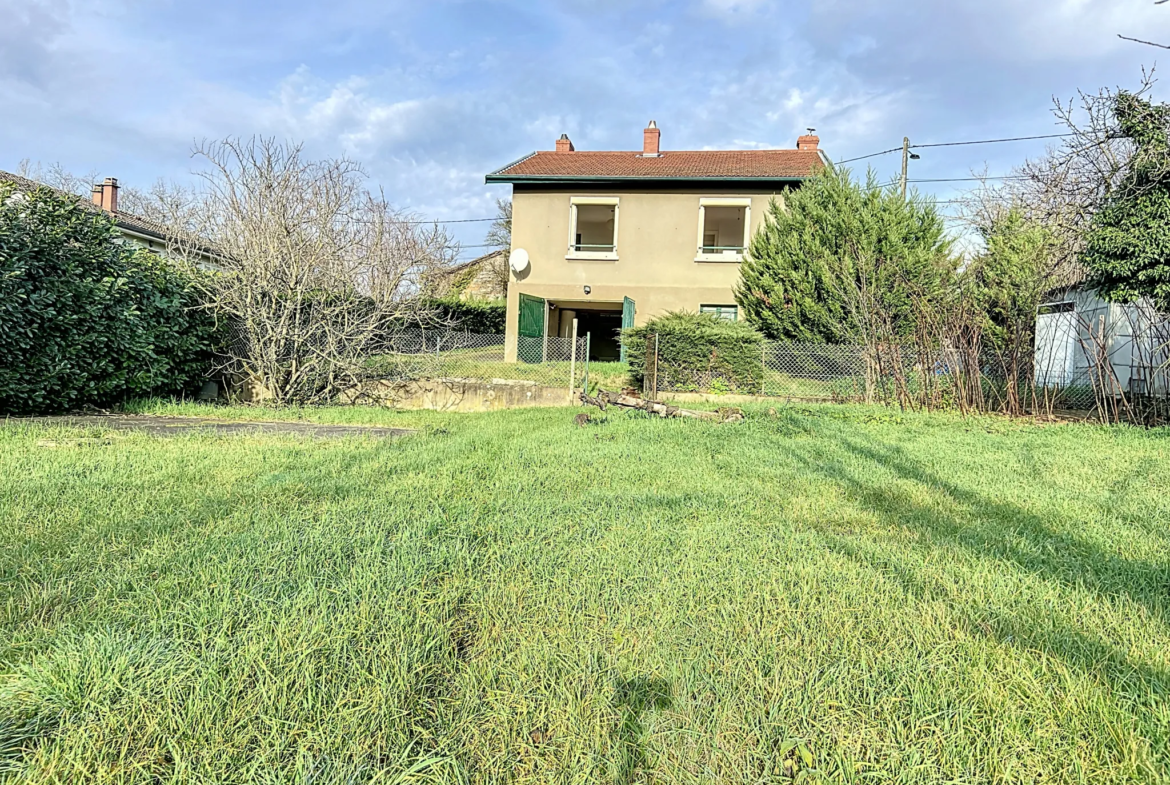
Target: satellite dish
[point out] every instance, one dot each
(518, 261)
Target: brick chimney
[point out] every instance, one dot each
(650, 139)
(105, 194)
(809, 141)
(565, 144)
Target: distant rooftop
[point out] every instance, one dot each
(128, 222)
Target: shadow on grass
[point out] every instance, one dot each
(633, 698)
(994, 530)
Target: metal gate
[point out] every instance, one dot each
(627, 322)
(533, 321)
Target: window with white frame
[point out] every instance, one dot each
(728, 312)
(724, 226)
(593, 227)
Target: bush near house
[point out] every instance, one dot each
(697, 351)
(85, 319)
(485, 317)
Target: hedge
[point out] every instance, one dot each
(475, 316)
(86, 320)
(698, 351)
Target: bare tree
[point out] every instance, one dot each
(499, 238)
(312, 270)
(1064, 188)
(57, 176)
(166, 203)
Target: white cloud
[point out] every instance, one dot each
(447, 91)
(732, 8)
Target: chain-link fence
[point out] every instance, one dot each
(850, 372)
(412, 355)
(797, 371)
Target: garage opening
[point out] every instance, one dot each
(601, 321)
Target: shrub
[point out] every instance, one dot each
(698, 351)
(85, 319)
(475, 316)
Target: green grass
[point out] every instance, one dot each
(843, 594)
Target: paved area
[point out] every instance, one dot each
(172, 426)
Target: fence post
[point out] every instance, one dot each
(650, 370)
(763, 368)
(588, 350)
(544, 344)
(655, 395)
(573, 363)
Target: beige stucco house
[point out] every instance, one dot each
(476, 279)
(615, 238)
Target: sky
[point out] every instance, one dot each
(431, 95)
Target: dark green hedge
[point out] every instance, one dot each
(85, 320)
(698, 352)
(475, 316)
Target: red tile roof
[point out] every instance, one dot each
(671, 164)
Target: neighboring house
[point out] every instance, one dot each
(1083, 340)
(615, 238)
(134, 230)
(474, 280)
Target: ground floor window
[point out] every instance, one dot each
(728, 312)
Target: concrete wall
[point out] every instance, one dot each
(658, 236)
(458, 395)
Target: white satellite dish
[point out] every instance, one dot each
(518, 261)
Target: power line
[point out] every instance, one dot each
(871, 155)
(957, 144)
(452, 221)
(968, 179)
(992, 141)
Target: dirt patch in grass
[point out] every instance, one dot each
(174, 426)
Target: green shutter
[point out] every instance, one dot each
(627, 321)
(530, 341)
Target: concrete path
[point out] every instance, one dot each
(173, 426)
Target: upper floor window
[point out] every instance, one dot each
(724, 226)
(728, 312)
(593, 227)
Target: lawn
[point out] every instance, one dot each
(834, 594)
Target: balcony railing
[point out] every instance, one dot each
(709, 249)
(595, 247)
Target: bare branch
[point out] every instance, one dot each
(315, 271)
(1140, 41)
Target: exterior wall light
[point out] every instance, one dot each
(588, 290)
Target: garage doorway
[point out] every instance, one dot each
(602, 321)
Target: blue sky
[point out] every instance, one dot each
(430, 95)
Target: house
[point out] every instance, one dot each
(133, 229)
(1085, 341)
(476, 279)
(615, 238)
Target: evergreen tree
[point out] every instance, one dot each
(832, 238)
(1127, 249)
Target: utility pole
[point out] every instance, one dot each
(905, 163)
(907, 157)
